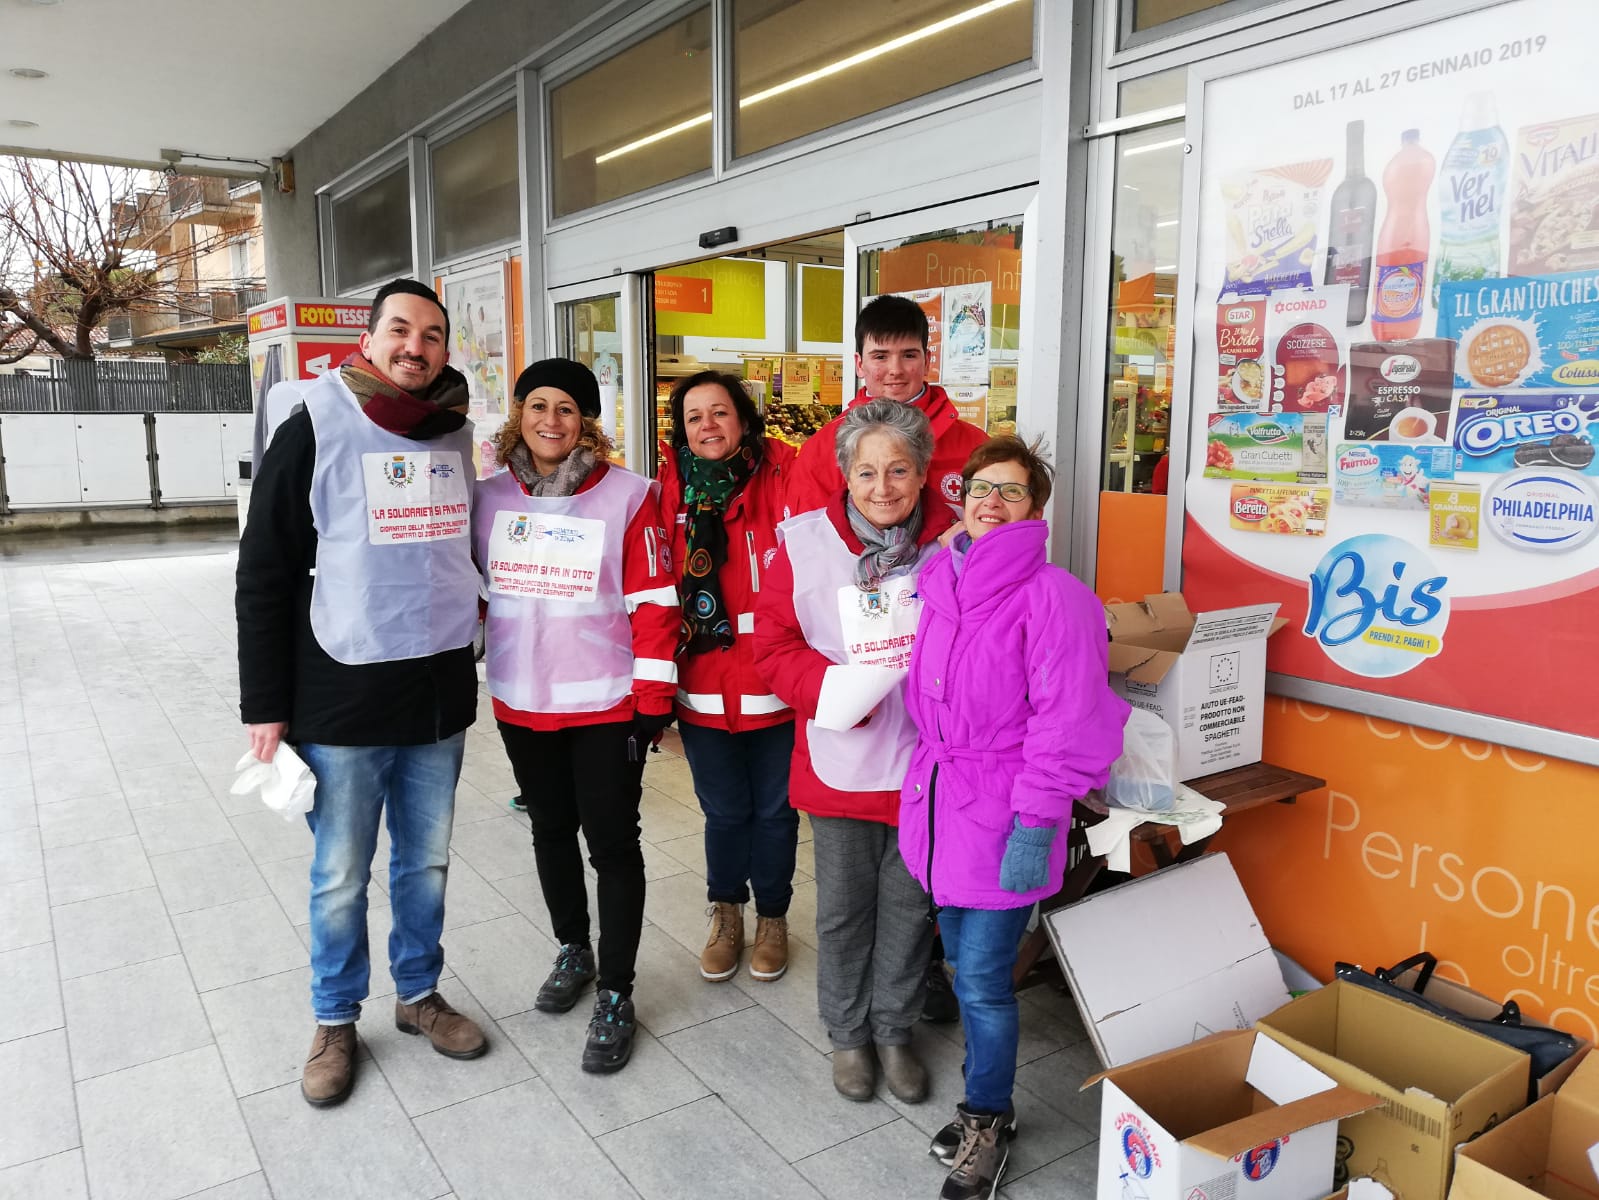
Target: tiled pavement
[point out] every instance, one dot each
(152, 952)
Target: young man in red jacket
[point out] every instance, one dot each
(891, 361)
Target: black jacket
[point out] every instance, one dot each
(284, 675)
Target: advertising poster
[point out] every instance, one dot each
(476, 304)
(931, 301)
(968, 309)
(1395, 389)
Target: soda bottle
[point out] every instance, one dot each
(1471, 196)
(1400, 288)
(1353, 222)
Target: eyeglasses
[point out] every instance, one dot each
(978, 489)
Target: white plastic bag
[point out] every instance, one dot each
(286, 784)
(1142, 777)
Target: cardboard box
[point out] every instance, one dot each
(1440, 1084)
(1204, 675)
(1234, 1112)
(1468, 1003)
(1548, 1150)
(1203, 963)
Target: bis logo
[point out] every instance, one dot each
(1378, 606)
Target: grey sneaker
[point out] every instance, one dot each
(573, 971)
(948, 1139)
(980, 1160)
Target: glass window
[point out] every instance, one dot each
(476, 201)
(969, 282)
(588, 330)
(1143, 332)
(1149, 13)
(639, 119)
(807, 65)
(1149, 92)
(372, 232)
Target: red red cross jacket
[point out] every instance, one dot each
(721, 688)
(816, 478)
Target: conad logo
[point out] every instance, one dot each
(1400, 368)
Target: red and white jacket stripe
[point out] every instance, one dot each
(721, 689)
(650, 593)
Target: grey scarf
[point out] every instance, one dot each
(891, 551)
(562, 481)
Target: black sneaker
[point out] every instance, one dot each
(947, 1141)
(516, 803)
(940, 1007)
(610, 1040)
(573, 971)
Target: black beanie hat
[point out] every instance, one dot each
(573, 378)
(405, 287)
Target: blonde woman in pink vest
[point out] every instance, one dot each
(834, 626)
(581, 625)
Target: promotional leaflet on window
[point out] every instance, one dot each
(1395, 396)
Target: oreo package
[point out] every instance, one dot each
(1496, 432)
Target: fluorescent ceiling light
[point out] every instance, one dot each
(1165, 224)
(825, 72)
(1167, 267)
(1166, 145)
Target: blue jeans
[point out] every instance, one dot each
(741, 780)
(355, 786)
(980, 944)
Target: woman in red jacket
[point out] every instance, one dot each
(834, 627)
(722, 484)
(582, 620)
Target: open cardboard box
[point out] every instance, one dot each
(1203, 675)
(1233, 1110)
(1549, 1150)
(1440, 1084)
(1468, 1003)
(1202, 962)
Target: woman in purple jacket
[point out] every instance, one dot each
(1016, 720)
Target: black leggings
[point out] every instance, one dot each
(581, 778)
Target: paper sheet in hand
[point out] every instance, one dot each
(853, 691)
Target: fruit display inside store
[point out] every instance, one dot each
(796, 422)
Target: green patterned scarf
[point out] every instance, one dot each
(707, 487)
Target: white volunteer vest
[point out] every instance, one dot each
(557, 638)
(394, 573)
(847, 625)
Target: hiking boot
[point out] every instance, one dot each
(903, 1072)
(330, 1066)
(948, 1139)
(453, 1034)
(610, 1040)
(769, 959)
(979, 1160)
(940, 1006)
(724, 942)
(855, 1073)
(573, 971)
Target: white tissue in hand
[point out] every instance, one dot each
(286, 784)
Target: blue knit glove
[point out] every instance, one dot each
(1025, 866)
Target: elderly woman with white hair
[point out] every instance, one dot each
(834, 626)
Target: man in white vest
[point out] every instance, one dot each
(356, 606)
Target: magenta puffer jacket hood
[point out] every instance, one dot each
(1009, 693)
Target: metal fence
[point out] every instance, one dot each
(111, 386)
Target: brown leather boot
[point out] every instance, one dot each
(330, 1066)
(724, 942)
(769, 959)
(451, 1033)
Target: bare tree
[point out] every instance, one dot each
(81, 242)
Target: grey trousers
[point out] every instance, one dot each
(873, 935)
